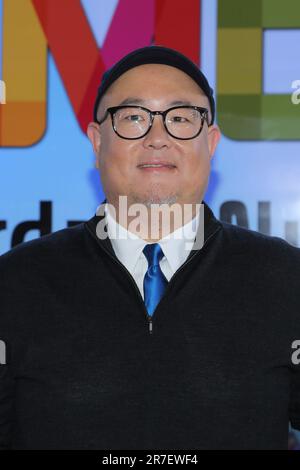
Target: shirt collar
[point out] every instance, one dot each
(211, 227)
(128, 246)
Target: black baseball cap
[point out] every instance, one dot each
(155, 55)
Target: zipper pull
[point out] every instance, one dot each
(150, 326)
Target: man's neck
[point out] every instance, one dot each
(155, 222)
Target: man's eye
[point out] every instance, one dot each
(179, 119)
(134, 117)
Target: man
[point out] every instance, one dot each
(120, 338)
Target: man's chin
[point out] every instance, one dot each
(149, 200)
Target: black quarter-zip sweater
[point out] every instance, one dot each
(85, 369)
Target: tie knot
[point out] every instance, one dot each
(153, 253)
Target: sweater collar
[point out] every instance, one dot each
(210, 222)
(128, 246)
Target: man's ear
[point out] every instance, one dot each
(94, 135)
(214, 135)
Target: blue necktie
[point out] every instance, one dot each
(154, 281)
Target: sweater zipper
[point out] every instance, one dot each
(149, 317)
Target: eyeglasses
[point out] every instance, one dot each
(133, 122)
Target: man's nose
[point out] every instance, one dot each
(157, 136)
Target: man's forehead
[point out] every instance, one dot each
(115, 99)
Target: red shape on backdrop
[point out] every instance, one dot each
(76, 53)
(177, 25)
(72, 44)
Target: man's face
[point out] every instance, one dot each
(155, 87)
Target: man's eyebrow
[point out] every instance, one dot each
(132, 100)
(139, 101)
(181, 103)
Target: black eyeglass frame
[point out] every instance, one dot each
(203, 113)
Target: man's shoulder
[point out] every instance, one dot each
(47, 247)
(241, 238)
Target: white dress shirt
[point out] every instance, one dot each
(128, 248)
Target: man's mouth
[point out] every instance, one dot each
(157, 165)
